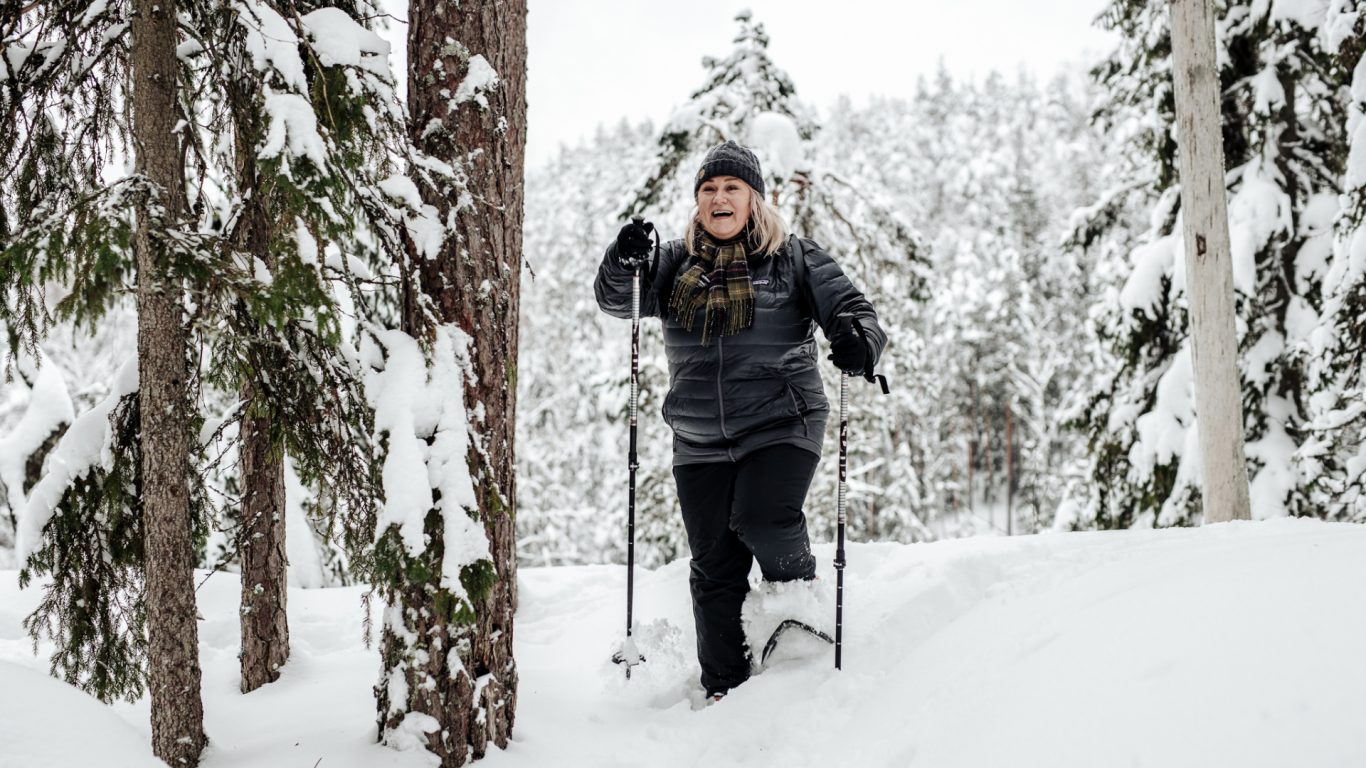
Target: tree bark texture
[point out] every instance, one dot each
(261, 529)
(173, 636)
(261, 532)
(474, 284)
(1209, 263)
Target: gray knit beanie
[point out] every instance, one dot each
(731, 159)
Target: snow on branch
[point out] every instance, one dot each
(420, 411)
(87, 444)
(49, 409)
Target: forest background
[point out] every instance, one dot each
(1017, 232)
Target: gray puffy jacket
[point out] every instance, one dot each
(761, 386)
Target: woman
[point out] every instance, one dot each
(739, 299)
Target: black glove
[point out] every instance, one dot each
(848, 349)
(634, 244)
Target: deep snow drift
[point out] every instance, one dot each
(1232, 645)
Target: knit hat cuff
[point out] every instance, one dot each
(731, 159)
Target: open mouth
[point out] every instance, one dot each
(722, 215)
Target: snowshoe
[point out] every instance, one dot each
(786, 626)
(777, 614)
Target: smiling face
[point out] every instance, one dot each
(723, 206)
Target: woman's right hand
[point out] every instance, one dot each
(634, 244)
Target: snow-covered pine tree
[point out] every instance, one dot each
(328, 132)
(445, 392)
(1283, 149)
(312, 126)
(1338, 452)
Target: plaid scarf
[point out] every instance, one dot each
(718, 283)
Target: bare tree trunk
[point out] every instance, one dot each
(261, 530)
(1209, 270)
(173, 637)
(973, 441)
(1010, 475)
(474, 284)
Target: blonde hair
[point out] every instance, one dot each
(767, 230)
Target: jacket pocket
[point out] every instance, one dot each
(799, 405)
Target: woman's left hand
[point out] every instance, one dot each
(848, 349)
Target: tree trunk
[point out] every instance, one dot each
(474, 284)
(973, 441)
(1209, 270)
(173, 637)
(261, 535)
(1010, 474)
(261, 530)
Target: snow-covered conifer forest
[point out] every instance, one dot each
(313, 437)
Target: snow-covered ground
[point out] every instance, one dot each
(1233, 645)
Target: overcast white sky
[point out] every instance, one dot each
(596, 61)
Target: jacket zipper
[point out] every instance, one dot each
(720, 398)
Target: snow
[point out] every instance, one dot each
(16, 55)
(307, 244)
(1349, 266)
(94, 11)
(1268, 95)
(260, 272)
(1162, 430)
(294, 125)
(340, 41)
(396, 392)
(105, 739)
(84, 445)
(423, 221)
(1356, 126)
(1316, 225)
(1359, 81)
(775, 140)
(1151, 261)
(1340, 23)
(1174, 648)
(49, 409)
(1356, 157)
(1259, 361)
(272, 43)
(1256, 212)
(1276, 451)
(479, 80)
(810, 602)
(305, 564)
(1356, 465)
(1309, 14)
(1300, 319)
(420, 412)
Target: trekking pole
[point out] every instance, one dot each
(840, 519)
(842, 492)
(629, 655)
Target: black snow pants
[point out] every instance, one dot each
(736, 513)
